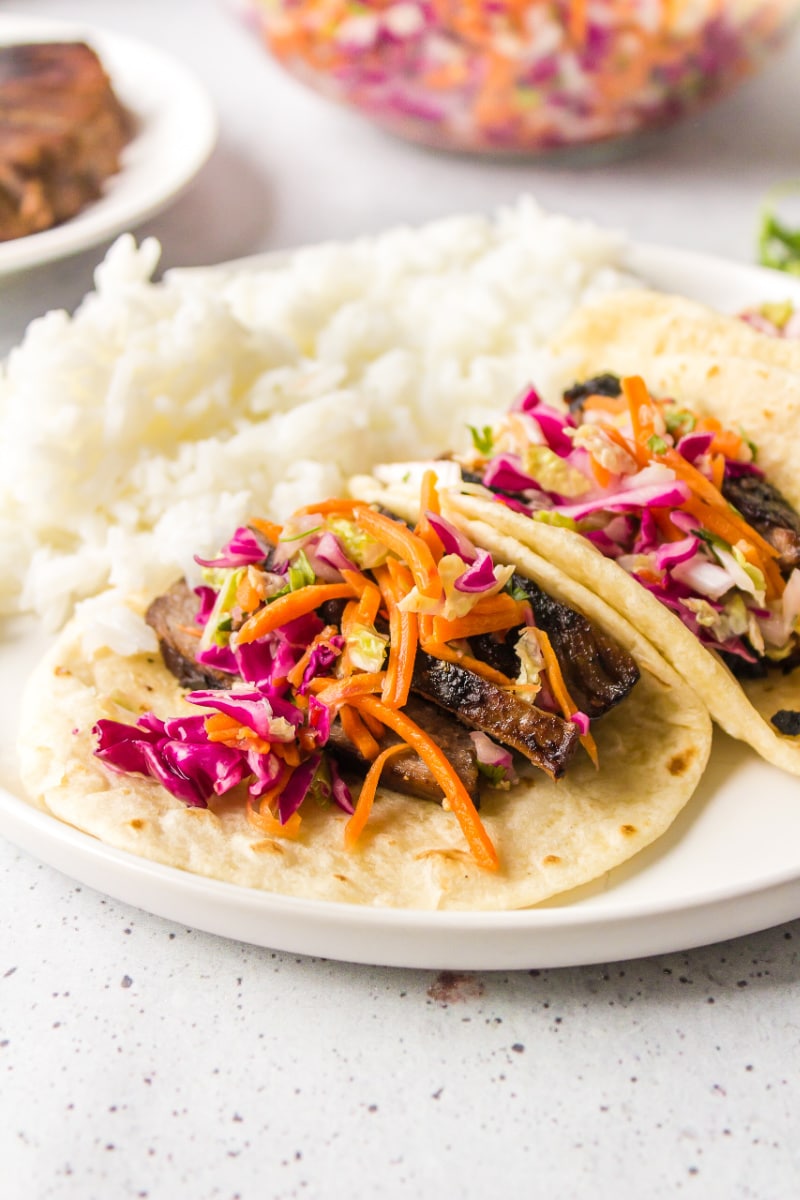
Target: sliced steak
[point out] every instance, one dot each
(407, 773)
(61, 133)
(172, 616)
(770, 514)
(546, 739)
(597, 671)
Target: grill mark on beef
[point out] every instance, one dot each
(597, 671)
(546, 739)
(770, 514)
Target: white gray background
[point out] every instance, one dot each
(142, 1059)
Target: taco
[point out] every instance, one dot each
(671, 490)
(470, 686)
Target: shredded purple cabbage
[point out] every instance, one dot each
(243, 550)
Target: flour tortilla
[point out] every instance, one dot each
(721, 367)
(718, 365)
(550, 837)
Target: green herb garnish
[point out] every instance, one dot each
(778, 243)
(482, 439)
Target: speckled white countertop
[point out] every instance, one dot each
(144, 1059)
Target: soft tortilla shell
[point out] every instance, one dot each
(741, 708)
(722, 367)
(550, 837)
(719, 365)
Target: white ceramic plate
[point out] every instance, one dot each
(175, 131)
(729, 865)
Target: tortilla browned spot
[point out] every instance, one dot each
(679, 763)
(628, 830)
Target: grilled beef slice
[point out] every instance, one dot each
(770, 514)
(407, 773)
(61, 133)
(597, 671)
(546, 739)
(172, 616)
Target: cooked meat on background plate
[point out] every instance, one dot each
(62, 130)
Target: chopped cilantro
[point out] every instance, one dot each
(494, 774)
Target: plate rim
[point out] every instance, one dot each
(461, 939)
(94, 224)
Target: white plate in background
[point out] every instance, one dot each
(175, 128)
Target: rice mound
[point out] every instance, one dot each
(144, 428)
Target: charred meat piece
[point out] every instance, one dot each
(598, 385)
(546, 739)
(770, 514)
(172, 616)
(597, 671)
(61, 133)
(407, 773)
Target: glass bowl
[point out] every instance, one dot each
(522, 76)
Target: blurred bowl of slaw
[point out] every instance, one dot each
(523, 77)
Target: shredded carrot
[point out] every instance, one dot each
(265, 822)
(442, 770)
(708, 425)
(407, 546)
(356, 730)
(449, 654)
(560, 692)
(732, 529)
(287, 608)
(345, 691)
(601, 474)
(368, 605)
(614, 435)
(395, 581)
(608, 404)
(669, 531)
(429, 502)
(271, 531)
(718, 470)
(638, 398)
(357, 580)
(706, 491)
(248, 597)
(288, 751)
(728, 443)
(493, 619)
(377, 730)
(335, 505)
(354, 827)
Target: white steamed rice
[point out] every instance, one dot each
(144, 428)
